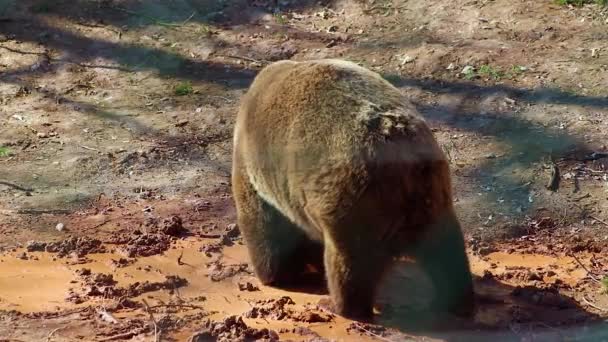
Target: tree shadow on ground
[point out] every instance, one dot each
(526, 143)
(540, 95)
(78, 49)
(133, 13)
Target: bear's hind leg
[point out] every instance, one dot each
(275, 244)
(354, 269)
(442, 255)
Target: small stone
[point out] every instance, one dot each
(467, 70)
(42, 135)
(60, 227)
(407, 59)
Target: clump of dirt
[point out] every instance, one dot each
(121, 262)
(81, 246)
(271, 308)
(220, 271)
(172, 226)
(100, 284)
(233, 328)
(247, 286)
(587, 246)
(277, 309)
(170, 283)
(312, 317)
(211, 248)
(145, 245)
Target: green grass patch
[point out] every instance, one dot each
(580, 3)
(183, 89)
(491, 72)
(4, 151)
(469, 73)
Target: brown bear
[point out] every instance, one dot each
(333, 165)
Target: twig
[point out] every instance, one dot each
(597, 219)
(190, 17)
(89, 148)
(589, 273)
(149, 310)
(593, 305)
(15, 186)
(359, 326)
(244, 58)
(43, 211)
(179, 258)
(189, 306)
(50, 335)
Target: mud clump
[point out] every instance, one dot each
(247, 286)
(172, 226)
(587, 246)
(220, 271)
(81, 246)
(233, 328)
(35, 246)
(211, 248)
(312, 317)
(97, 284)
(271, 308)
(100, 284)
(121, 262)
(146, 245)
(170, 283)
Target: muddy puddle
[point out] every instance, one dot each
(196, 280)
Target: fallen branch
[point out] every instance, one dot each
(190, 17)
(589, 273)
(593, 305)
(89, 148)
(15, 186)
(188, 306)
(597, 219)
(50, 335)
(248, 59)
(149, 310)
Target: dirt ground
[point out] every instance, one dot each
(116, 116)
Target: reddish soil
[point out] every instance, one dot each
(116, 117)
